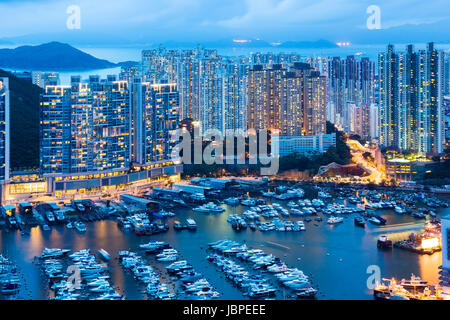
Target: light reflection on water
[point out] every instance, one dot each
(336, 257)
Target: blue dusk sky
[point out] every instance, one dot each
(149, 21)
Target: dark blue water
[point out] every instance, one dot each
(336, 257)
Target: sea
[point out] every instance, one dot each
(338, 258)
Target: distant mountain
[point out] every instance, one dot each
(24, 120)
(127, 64)
(253, 43)
(53, 56)
(319, 44)
(237, 43)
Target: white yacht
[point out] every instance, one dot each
(209, 207)
(335, 220)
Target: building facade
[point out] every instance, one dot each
(411, 88)
(4, 129)
(351, 84)
(103, 125)
(305, 145)
(291, 101)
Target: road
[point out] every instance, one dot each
(357, 150)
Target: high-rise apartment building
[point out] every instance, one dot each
(235, 101)
(55, 130)
(4, 129)
(411, 87)
(43, 79)
(293, 101)
(446, 73)
(102, 125)
(161, 114)
(351, 82)
(291, 105)
(265, 97)
(315, 104)
(154, 116)
(388, 96)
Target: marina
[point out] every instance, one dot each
(319, 241)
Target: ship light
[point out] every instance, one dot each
(430, 243)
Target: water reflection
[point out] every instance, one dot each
(336, 257)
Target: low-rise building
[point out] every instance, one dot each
(62, 186)
(304, 145)
(404, 170)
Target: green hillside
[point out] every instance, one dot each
(24, 98)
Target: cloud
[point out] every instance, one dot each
(271, 20)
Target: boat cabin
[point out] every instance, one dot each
(8, 210)
(141, 203)
(47, 206)
(25, 208)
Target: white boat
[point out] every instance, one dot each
(335, 220)
(168, 257)
(98, 283)
(374, 221)
(276, 268)
(268, 194)
(80, 253)
(191, 224)
(80, 226)
(232, 201)
(102, 288)
(198, 196)
(297, 283)
(399, 210)
(105, 255)
(292, 204)
(153, 245)
(53, 253)
(167, 252)
(209, 207)
(248, 202)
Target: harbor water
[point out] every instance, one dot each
(336, 257)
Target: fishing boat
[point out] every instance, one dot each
(48, 253)
(399, 210)
(359, 221)
(374, 221)
(335, 220)
(261, 290)
(59, 215)
(248, 202)
(9, 279)
(80, 226)
(384, 242)
(306, 293)
(177, 225)
(382, 220)
(104, 254)
(191, 224)
(233, 201)
(418, 215)
(268, 194)
(209, 207)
